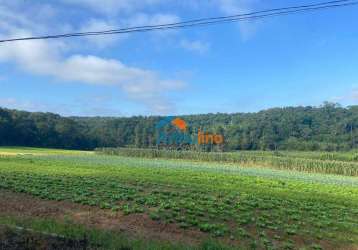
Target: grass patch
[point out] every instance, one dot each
(93, 238)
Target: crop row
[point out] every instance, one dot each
(240, 207)
(278, 160)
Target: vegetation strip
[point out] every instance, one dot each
(265, 212)
(279, 160)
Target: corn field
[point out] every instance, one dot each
(313, 162)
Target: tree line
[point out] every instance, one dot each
(328, 127)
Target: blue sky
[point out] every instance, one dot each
(303, 59)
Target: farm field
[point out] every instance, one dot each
(39, 151)
(342, 163)
(122, 201)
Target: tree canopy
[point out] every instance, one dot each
(328, 127)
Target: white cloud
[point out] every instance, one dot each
(61, 60)
(45, 58)
(89, 107)
(141, 19)
(113, 6)
(13, 103)
(351, 97)
(57, 58)
(233, 7)
(99, 25)
(354, 95)
(33, 16)
(195, 46)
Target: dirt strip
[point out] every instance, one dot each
(134, 225)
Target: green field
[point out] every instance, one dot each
(39, 151)
(243, 206)
(342, 163)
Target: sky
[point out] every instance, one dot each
(302, 59)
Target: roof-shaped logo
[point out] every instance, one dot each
(177, 122)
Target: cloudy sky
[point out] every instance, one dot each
(301, 59)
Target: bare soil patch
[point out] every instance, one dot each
(134, 225)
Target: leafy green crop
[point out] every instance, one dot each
(257, 207)
(314, 162)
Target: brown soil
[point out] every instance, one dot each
(136, 225)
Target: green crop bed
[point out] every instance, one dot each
(39, 151)
(250, 207)
(339, 163)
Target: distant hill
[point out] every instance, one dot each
(328, 127)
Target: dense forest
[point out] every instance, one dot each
(328, 127)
